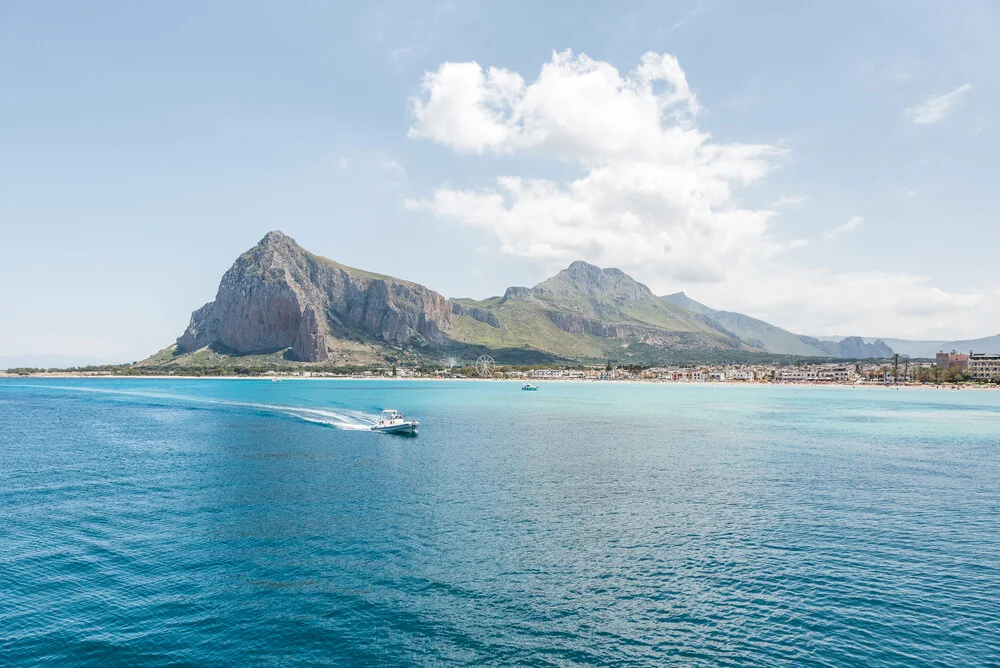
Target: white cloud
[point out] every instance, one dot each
(789, 200)
(342, 164)
(853, 224)
(392, 167)
(819, 300)
(657, 191)
(688, 17)
(655, 196)
(474, 110)
(937, 108)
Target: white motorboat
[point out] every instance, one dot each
(393, 422)
(528, 387)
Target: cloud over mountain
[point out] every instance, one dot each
(656, 194)
(654, 190)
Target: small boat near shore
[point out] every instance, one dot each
(528, 387)
(393, 422)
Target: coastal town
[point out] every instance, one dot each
(947, 367)
(950, 368)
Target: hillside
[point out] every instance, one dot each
(765, 336)
(278, 302)
(586, 311)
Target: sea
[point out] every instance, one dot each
(247, 522)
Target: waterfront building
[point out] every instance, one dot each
(836, 374)
(952, 360)
(983, 366)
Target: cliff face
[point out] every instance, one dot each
(279, 297)
(476, 313)
(276, 295)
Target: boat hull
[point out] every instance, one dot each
(408, 427)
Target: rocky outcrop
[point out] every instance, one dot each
(651, 336)
(519, 294)
(853, 347)
(575, 324)
(277, 295)
(583, 280)
(476, 313)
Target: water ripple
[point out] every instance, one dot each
(162, 522)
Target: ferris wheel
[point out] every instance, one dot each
(485, 366)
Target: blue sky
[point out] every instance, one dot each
(827, 167)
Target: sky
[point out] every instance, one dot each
(828, 167)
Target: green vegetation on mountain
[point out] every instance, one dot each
(754, 332)
(279, 305)
(585, 312)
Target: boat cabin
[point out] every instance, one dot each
(388, 415)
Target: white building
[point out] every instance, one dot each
(821, 374)
(984, 366)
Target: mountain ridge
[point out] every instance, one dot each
(278, 299)
(777, 340)
(605, 309)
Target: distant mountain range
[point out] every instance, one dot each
(280, 302)
(987, 344)
(776, 340)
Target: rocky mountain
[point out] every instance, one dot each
(280, 301)
(766, 336)
(279, 296)
(754, 332)
(853, 347)
(586, 312)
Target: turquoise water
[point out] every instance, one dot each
(217, 522)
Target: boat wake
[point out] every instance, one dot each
(349, 420)
(342, 419)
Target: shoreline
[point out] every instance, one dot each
(539, 381)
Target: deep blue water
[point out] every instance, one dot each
(217, 522)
